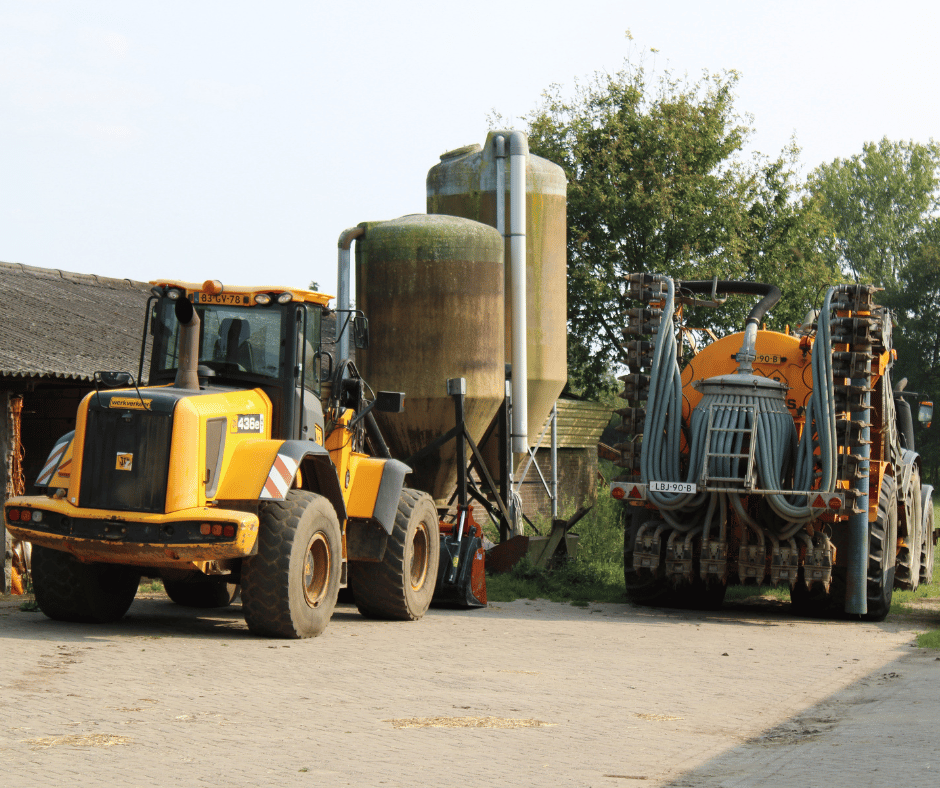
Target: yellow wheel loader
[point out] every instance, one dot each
(236, 467)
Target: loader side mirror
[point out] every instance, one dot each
(925, 413)
(360, 327)
(113, 380)
(390, 401)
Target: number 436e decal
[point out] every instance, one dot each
(248, 422)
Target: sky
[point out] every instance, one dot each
(236, 140)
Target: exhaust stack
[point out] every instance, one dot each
(187, 376)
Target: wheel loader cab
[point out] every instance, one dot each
(247, 342)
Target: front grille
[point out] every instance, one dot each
(126, 459)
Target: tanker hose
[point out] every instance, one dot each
(819, 432)
(659, 458)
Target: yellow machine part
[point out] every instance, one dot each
(779, 357)
(188, 455)
(150, 554)
(360, 476)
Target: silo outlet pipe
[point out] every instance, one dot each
(342, 290)
(518, 156)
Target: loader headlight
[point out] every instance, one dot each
(285, 298)
(173, 294)
(263, 299)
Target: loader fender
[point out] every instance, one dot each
(375, 491)
(265, 470)
(56, 471)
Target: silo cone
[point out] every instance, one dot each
(432, 288)
(464, 184)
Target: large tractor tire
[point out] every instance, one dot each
(400, 586)
(68, 590)
(908, 572)
(642, 587)
(926, 540)
(882, 546)
(200, 591)
(289, 588)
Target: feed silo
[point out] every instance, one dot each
(469, 182)
(432, 287)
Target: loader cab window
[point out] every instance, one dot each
(311, 347)
(234, 341)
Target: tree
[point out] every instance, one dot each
(915, 305)
(656, 184)
(878, 202)
(882, 208)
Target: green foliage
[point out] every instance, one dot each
(29, 603)
(656, 184)
(878, 202)
(882, 207)
(574, 581)
(150, 586)
(929, 639)
(901, 600)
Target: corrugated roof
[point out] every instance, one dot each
(580, 424)
(58, 324)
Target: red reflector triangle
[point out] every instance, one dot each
(634, 492)
(819, 503)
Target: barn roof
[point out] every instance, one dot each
(57, 324)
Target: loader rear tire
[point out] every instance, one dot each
(882, 546)
(201, 591)
(68, 590)
(400, 586)
(289, 588)
(642, 588)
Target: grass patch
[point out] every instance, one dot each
(577, 581)
(929, 639)
(901, 600)
(150, 586)
(738, 593)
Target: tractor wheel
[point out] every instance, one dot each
(68, 590)
(289, 588)
(201, 591)
(908, 571)
(926, 543)
(642, 587)
(882, 546)
(400, 586)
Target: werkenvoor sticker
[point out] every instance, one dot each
(135, 403)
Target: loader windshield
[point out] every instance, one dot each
(233, 340)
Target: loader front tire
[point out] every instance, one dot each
(68, 590)
(882, 546)
(400, 586)
(289, 588)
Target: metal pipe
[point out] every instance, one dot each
(187, 376)
(856, 595)
(499, 143)
(554, 461)
(518, 156)
(342, 290)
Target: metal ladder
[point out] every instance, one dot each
(748, 481)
